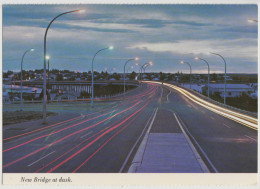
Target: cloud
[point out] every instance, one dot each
(238, 48)
(162, 33)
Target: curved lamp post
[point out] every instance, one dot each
(44, 68)
(143, 68)
(182, 62)
(147, 64)
(92, 67)
(124, 69)
(197, 58)
(225, 75)
(21, 94)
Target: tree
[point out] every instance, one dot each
(132, 76)
(59, 78)
(214, 77)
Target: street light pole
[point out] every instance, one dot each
(182, 62)
(21, 94)
(225, 75)
(197, 58)
(44, 65)
(92, 70)
(124, 70)
(143, 67)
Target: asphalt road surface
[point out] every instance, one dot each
(102, 140)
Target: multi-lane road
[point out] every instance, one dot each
(106, 140)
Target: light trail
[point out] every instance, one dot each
(89, 144)
(46, 127)
(79, 145)
(118, 121)
(46, 135)
(63, 138)
(235, 116)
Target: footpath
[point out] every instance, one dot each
(166, 148)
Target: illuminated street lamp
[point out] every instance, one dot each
(124, 69)
(182, 62)
(92, 91)
(197, 58)
(252, 21)
(143, 68)
(146, 65)
(225, 75)
(44, 66)
(21, 94)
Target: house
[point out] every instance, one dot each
(232, 90)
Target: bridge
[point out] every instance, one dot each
(157, 128)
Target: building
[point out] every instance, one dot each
(232, 90)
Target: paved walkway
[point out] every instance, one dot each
(168, 153)
(167, 149)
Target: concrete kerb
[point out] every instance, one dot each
(140, 152)
(195, 152)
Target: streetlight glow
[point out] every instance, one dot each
(182, 62)
(32, 50)
(110, 47)
(252, 21)
(196, 58)
(81, 11)
(136, 58)
(47, 57)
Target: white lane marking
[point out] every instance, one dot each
(40, 159)
(86, 134)
(250, 138)
(226, 125)
(168, 95)
(137, 141)
(161, 92)
(182, 126)
(212, 118)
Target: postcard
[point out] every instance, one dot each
(130, 94)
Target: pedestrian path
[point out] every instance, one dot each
(170, 152)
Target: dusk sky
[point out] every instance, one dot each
(163, 34)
